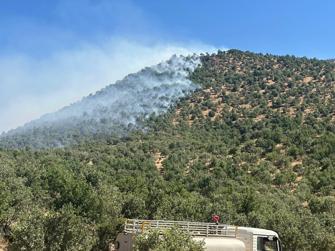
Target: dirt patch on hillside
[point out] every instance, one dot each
(3, 245)
(205, 112)
(270, 82)
(259, 118)
(174, 119)
(296, 162)
(159, 158)
(307, 80)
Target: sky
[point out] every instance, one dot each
(52, 53)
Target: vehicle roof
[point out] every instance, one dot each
(259, 231)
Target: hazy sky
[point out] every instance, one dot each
(54, 52)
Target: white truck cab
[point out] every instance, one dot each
(217, 237)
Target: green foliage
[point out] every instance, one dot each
(68, 231)
(223, 150)
(63, 230)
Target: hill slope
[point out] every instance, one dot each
(254, 144)
(114, 109)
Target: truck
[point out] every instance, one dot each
(215, 236)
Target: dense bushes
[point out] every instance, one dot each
(234, 155)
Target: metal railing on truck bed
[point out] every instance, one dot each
(193, 228)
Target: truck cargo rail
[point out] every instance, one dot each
(193, 228)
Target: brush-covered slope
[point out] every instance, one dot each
(112, 110)
(255, 144)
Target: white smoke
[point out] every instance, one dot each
(31, 87)
(113, 110)
(151, 90)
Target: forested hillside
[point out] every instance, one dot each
(114, 110)
(254, 143)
